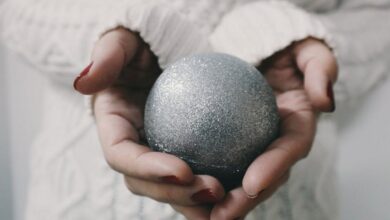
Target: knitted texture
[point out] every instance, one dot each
(276, 23)
(69, 177)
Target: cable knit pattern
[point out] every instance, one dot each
(66, 42)
(69, 176)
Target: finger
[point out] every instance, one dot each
(193, 212)
(139, 161)
(204, 190)
(297, 133)
(319, 66)
(280, 70)
(282, 80)
(118, 121)
(111, 53)
(237, 204)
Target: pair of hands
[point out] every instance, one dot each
(121, 75)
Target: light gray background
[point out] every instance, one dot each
(5, 162)
(364, 167)
(20, 88)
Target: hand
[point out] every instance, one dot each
(301, 76)
(309, 62)
(122, 73)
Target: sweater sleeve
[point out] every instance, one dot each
(258, 29)
(57, 36)
(361, 33)
(357, 30)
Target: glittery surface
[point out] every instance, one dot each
(214, 111)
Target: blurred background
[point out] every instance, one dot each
(364, 165)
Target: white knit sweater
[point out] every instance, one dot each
(69, 177)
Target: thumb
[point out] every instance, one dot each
(111, 53)
(318, 64)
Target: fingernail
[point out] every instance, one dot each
(81, 75)
(331, 97)
(204, 196)
(171, 180)
(254, 196)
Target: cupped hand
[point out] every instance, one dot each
(302, 78)
(122, 73)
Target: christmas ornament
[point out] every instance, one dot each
(214, 111)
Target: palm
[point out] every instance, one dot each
(127, 106)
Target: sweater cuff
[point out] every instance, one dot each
(169, 34)
(257, 30)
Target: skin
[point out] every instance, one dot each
(123, 72)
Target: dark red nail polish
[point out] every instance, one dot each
(204, 196)
(331, 97)
(171, 180)
(81, 75)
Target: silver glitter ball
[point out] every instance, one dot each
(214, 111)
